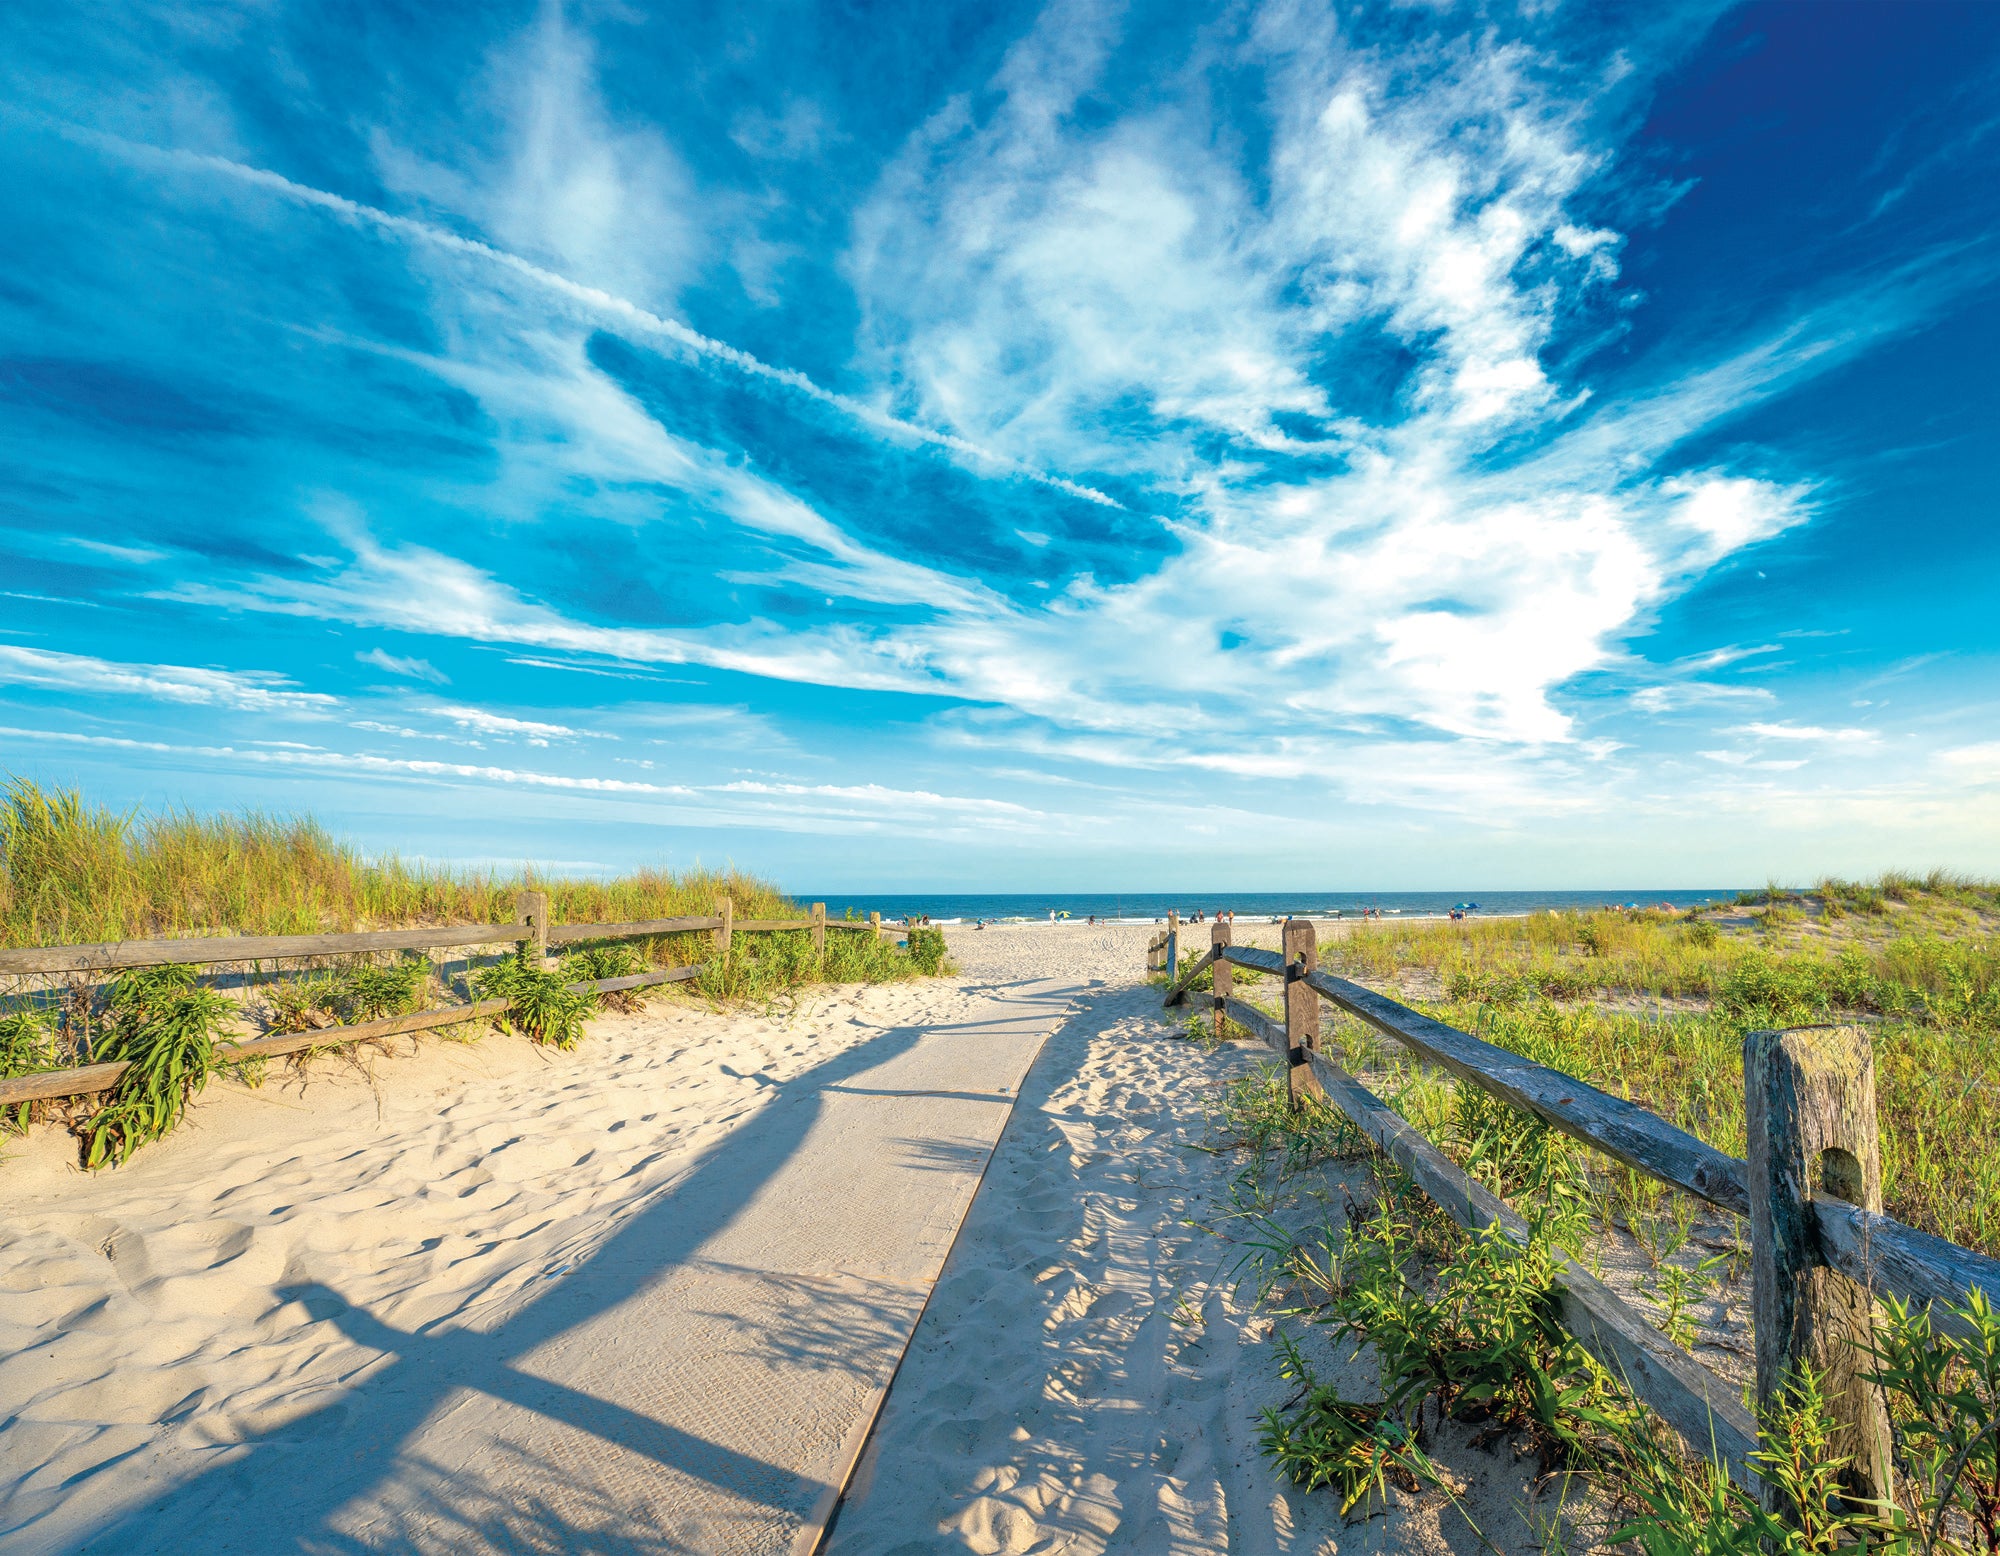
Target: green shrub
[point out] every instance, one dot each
(860, 958)
(27, 1047)
(593, 964)
(541, 1006)
(926, 950)
(1693, 1508)
(163, 1025)
(363, 992)
(1765, 991)
(304, 1004)
(1945, 1392)
(27, 1043)
(375, 991)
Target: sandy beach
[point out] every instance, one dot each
(1085, 1377)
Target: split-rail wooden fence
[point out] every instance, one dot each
(1821, 1251)
(532, 936)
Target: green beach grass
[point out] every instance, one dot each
(1653, 1006)
(76, 873)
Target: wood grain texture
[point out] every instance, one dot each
(209, 950)
(1892, 1259)
(569, 934)
(1178, 991)
(1219, 939)
(1301, 942)
(1809, 1114)
(643, 980)
(532, 909)
(1260, 1026)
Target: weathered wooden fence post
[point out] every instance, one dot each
(875, 925)
(1809, 1095)
(1218, 937)
(819, 930)
(1173, 944)
(532, 907)
(1301, 944)
(725, 910)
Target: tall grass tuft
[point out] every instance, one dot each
(72, 873)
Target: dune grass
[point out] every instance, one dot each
(74, 873)
(1653, 1006)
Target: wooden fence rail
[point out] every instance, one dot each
(1809, 1096)
(532, 934)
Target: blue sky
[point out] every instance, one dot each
(1080, 446)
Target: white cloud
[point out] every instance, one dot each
(414, 669)
(250, 691)
(1161, 298)
(1759, 764)
(1687, 694)
(137, 556)
(1789, 731)
(502, 724)
(1982, 761)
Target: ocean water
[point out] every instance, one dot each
(1146, 907)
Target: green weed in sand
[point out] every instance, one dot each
(542, 1006)
(1464, 1328)
(163, 1026)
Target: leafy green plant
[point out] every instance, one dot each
(926, 949)
(303, 1004)
(27, 1047)
(592, 964)
(541, 1006)
(372, 991)
(27, 1043)
(1688, 1508)
(1944, 1390)
(1319, 1438)
(163, 1026)
(1677, 1288)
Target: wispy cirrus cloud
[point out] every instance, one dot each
(250, 691)
(1274, 401)
(411, 668)
(1812, 732)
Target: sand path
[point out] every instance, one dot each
(643, 1297)
(1089, 1374)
